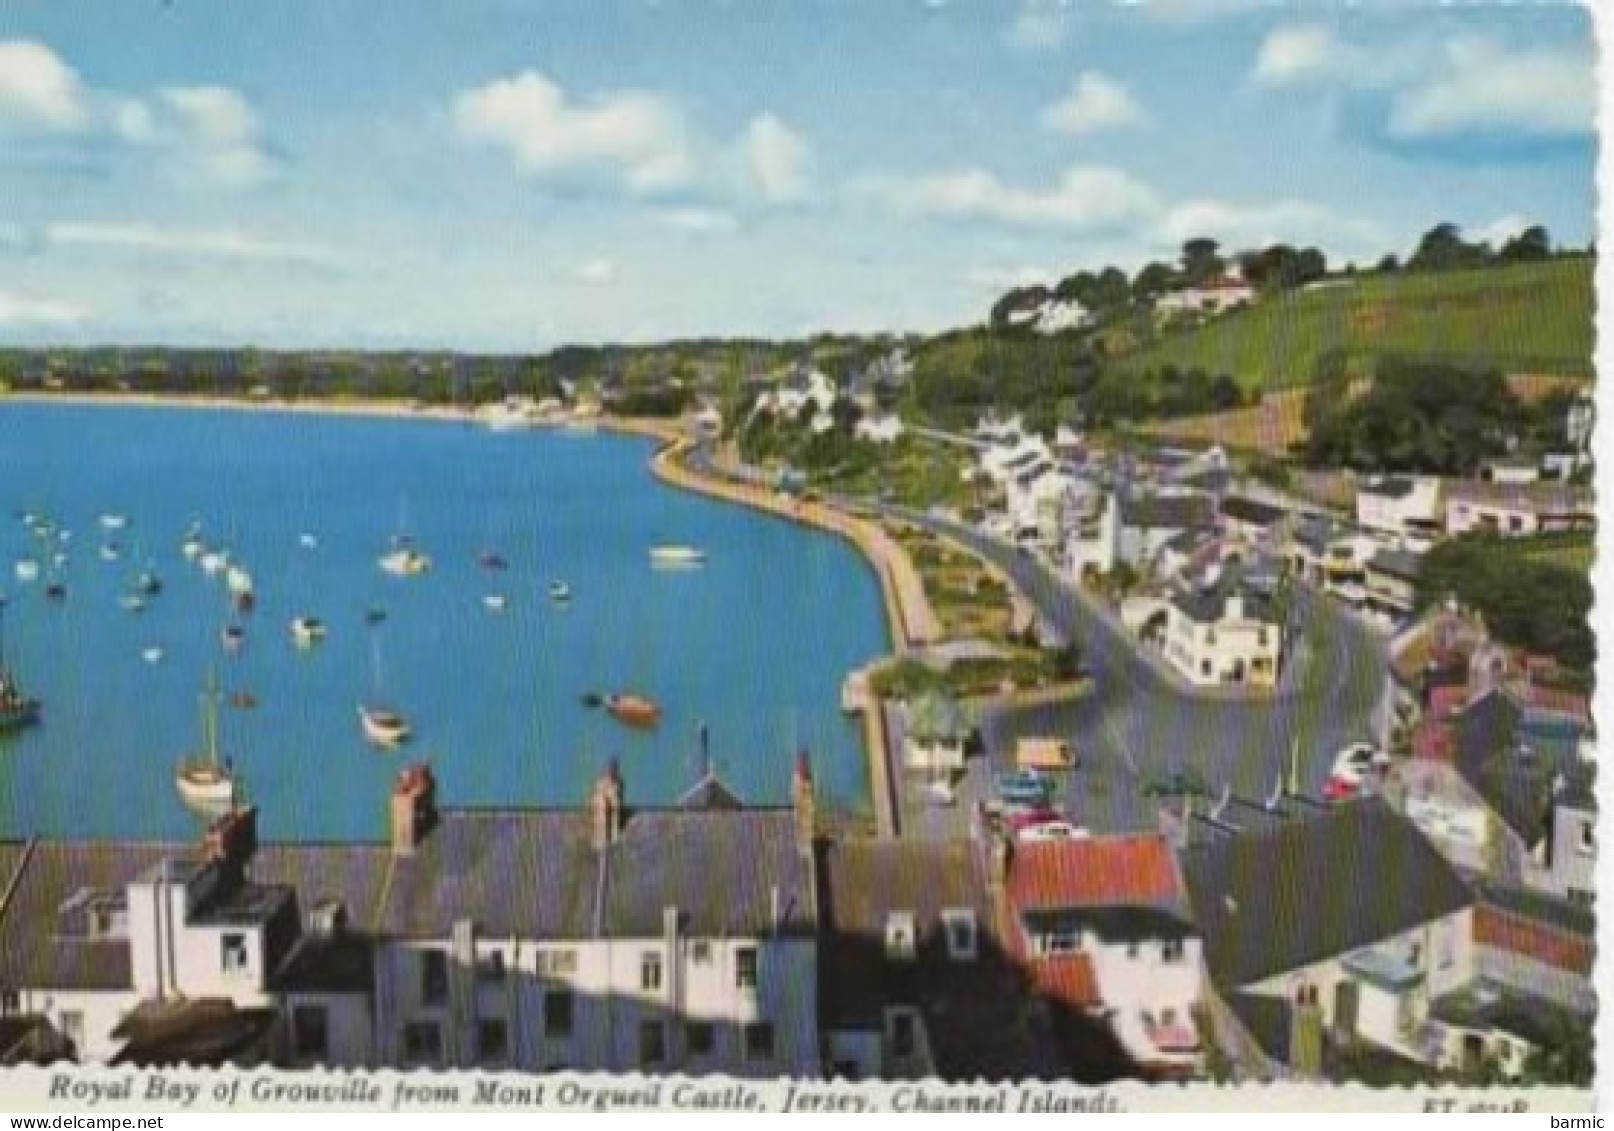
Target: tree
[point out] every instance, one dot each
(1200, 261)
(1389, 265)
(1153, 279)
(1529, 246)
(1443, 248)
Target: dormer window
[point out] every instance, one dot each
(962, 945)
(233, 954)
(1588, 837)
(901, 942)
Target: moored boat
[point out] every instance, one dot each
(238, 580)
(133, 602)
(27, 570)
(307, 631)
(634, 710)
(17, 709)
(560, 591)
(308, 542)
(152, 655)
(384, 728)
(405, 562)
(205, 783)
(495, 602)
(114, 521)
(491, 560)
(110, 552)
(677, 555)
(215, 562)
(234, 637)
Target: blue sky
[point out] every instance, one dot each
(515, 174)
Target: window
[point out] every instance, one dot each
(1132, 949)
(900, 935)
(233, 954)
(492, 1040)
(1204, 667)
(1065, 940)
(1580, 897)
(1168, 1017)
(700, 1038)
(423, 1042)
(700, 952)
(10, 1003)
(310, 1032)
(490, 967)
(557, 963)
(759, 1041)
(961, 942)
(650, 972)
(902, 1034)
(558, 1013)
(1171, 950)
(1263, 638)
(1515, 524)
(745, 968)
(72, 1026)
(433, 977)
(1588, 837)
(652, 1043)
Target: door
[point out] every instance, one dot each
(1347, 1002)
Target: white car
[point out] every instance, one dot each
(1053, 830)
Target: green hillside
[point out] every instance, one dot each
(1527, 318)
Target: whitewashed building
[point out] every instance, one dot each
(885, 428)
(1214, 297)
(1514, 511)
(1221, 633)
(1400, 509)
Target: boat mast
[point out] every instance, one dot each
(210, 719)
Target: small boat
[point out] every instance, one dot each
(234, 637)
(559, 591)
(193, 547)
(215, 562)
(375, 616)
(206, 785)
(133, 602)
(246, 601)
(64, 536)
(307, 631)
(495, 603)
(114, 521)
(243, 701)
(148, 583)
(110, 552)
(405, 562)
(384, 728)
(152, 655)
(308, 542)
(238, 580)
(592, 699)
(677, 555)
(17, 710)
(27, 570)
(633, 710)
(56, 591)
(59, 560)
(493, 561)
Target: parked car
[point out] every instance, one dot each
(1025, 787)
(1053, 831)
(1029, 818)
(1351, 767)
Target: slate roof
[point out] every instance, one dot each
(1166, 512)
(1208, 604)
(1282, 898)
(1390, 487)
(1490, 1005)
(1400, 564)
(1266, 1020)
(1251, 511)
(1317, 533)
(976, 1013)
(1513, 761)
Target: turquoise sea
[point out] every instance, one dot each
(754, 644)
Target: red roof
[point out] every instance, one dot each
(1532, 939)
(1067, 980)
(1131, 871)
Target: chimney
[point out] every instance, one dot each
(1306, 1034)
(605, 807)
(232, 839)
(803, 801)
(414, 809)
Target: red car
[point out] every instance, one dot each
(1341, 789)
(1030, 818)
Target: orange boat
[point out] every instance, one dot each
(633, 710)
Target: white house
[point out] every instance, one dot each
(885, 428)
(1326, 928)
(1036, 500)
(934, 734)
(1216, 296)
(1398, 508)
(1104, 928)
(527, 939)
(1221, 633)
(804, 386)
(1092, 532)
(1511, 470)
(1515, 510)
(1014, 455)
(1052, 316)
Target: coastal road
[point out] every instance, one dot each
(1138, 724)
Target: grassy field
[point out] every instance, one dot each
(1529, 318)
(967, 598)
(1275, 423)
(915, 472)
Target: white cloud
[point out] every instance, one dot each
(1500, 230)
(595, 272)
(1095, 103)
(779, 160)
(1240, 226)
(1301, 53)
(1189, 13)
(189, 243)
(1083, 199)
(38, 90)
(1041, 25)
(639, 136)
(23, 310)
(696, 219)
(1480, 86)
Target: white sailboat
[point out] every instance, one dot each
(207, 785)
(382, 726)
(404, 560)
